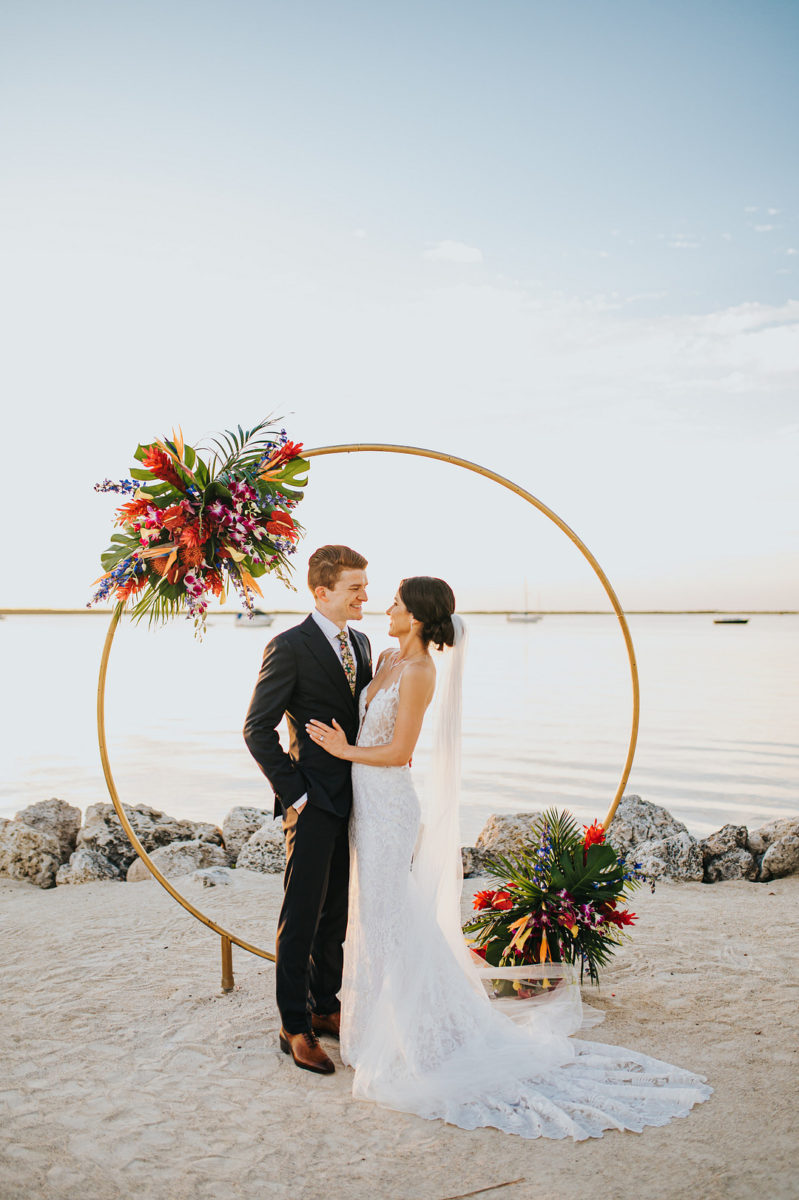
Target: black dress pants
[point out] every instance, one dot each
(313, 919)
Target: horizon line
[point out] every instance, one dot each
(468, 612)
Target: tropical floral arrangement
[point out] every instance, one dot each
(560, 901)
(195, 526)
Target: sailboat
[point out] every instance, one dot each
(525, 617)
(259, 617)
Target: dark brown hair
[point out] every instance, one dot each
(326, 564)
(432, 602)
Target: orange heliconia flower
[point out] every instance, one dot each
(131, 586)
(127, 512)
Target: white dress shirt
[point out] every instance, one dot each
(331, 631)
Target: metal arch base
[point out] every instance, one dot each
(230, 939)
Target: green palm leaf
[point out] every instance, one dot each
(241, 449)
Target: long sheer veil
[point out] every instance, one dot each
(437, 863)
(438, 868)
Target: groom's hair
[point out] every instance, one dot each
(326, 564)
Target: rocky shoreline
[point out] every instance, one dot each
(48, 845)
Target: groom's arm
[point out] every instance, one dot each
(276, 683)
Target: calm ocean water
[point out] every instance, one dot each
(547, 712)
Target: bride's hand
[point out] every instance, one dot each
(333, 739)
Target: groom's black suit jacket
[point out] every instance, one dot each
(301, 676)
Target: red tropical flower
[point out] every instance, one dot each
(594, 834)
(173, 518)
(193, 535)
(614, 916)
(282, 455)
(625, 917)
(483, 899)
(214, 581)
(282, 524)
(502, 901)
(160, 464)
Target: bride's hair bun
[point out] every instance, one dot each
(432, 602)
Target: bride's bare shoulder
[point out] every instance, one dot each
(420, 674)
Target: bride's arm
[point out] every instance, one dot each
(415, 693)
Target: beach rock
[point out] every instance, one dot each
(675, 857)
(179, 858)
(735, 864)
(203, 831)
(87, 866)
(729, 837)
(638, 821)
(505, 834)
(471, 860)
(265, 851)
(102, 831)
(773, 847)
(239, 826)
(57, 818)
(760, 839)
(212, 876)
(30, 854)
(781, 858)
(725, 856)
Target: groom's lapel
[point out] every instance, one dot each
(326, 656)
(361, 661)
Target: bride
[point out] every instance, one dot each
(416, 1023)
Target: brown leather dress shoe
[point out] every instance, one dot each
(304, 1048)
(329, 1023)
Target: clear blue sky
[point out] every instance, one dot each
(559, 239)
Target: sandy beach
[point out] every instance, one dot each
(126, 1070)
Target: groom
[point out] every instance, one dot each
(314, 670)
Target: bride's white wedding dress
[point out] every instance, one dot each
(417, 1025)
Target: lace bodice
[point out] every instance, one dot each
(379, 716)
(422, 1039)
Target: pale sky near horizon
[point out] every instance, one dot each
(560, 240)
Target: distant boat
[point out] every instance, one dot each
(730, 620)
(525, 617)
(258, 618)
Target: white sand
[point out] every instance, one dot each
(127, 1073)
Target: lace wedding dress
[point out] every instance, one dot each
(417, 1024)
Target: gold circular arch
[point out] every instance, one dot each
(229, 939)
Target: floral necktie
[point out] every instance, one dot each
(347, 659)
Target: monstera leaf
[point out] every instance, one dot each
(591, 875)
